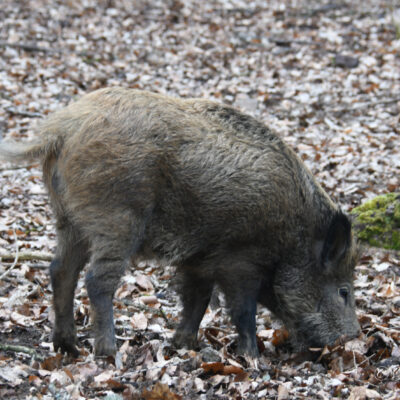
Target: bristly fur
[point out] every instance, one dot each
(200, 185)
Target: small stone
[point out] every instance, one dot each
(208, 354)
(190, 365)
(343, 61)
(388, 362)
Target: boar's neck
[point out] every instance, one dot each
(300, 217)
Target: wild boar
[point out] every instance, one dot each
(201, 186)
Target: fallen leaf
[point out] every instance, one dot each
(279, 337)
(160, 391)
(52, 363)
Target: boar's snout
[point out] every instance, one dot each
(314, 330)
(334, 317)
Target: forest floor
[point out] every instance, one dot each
(325, 75)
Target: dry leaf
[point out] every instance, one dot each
(139, 321)
(160, 392)
(279, 337)
(52, 363)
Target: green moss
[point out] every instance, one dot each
(377, 221)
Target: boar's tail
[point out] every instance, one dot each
(17, 152)
(47, 144)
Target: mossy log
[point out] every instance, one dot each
(377, 221)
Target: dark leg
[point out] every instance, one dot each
(102, 280)
(241, 288)
(114, 240)
(243, 314)
(195, 294)
(71, 257)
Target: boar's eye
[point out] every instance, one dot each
(344, 294)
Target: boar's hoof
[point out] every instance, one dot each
(65, 345)
(185, 340)
(247, 349)
(105, 347)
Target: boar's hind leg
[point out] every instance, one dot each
(113, 241)
(71, 257)
(102, 280)
(195, 295)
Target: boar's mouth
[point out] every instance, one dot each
(313, 330)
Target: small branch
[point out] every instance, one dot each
(21, 349)
(15, 257)
(28, 47)
(356, 107)
(212, 339)
(286, 42)
(142, 307)
(217, 328)
(38, 266)
(14, 111)
(27, 256)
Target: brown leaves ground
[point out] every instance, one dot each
(284, 62)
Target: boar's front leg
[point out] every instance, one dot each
(241, 286)
(195, 295)
(243, 314)
(71, 257)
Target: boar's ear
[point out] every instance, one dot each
(337, 241)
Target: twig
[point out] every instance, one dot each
(38, 266)
(21, 349)
(217, 328)
(142, 307)
(286, 42)
(27, 255)
(28, 47)
(366, 105)
(29, 114)
(358, 365)
(15, 257)
(212, 339)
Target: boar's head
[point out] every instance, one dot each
(316, 300)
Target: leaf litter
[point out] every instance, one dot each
(324, 75)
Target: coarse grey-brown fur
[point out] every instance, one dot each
(199, 185)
